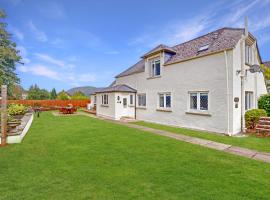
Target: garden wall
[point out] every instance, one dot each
(51, 103)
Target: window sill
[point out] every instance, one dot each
(103, 105)
(141, 107)
(202, 113)
(131, 106)
(153, 77)
(164, 109)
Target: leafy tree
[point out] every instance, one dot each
(17, 92)
(79, 96)
(63, 95)
(266, 72)
(9, 56)
(53, 94)
(35, 93)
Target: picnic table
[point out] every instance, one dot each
(68, 110)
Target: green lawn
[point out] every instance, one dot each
(251, 142)
(79, 157)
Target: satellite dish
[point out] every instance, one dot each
(255, 68)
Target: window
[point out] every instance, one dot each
(248, 54)
(142, 100)
(131, 99)
(164, 100)
(203, 48)
(155, 67)
(95, 99)
(248, 100)
(125, 102)
(105, 99)
(198, 101)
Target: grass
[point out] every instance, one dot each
(251, 142)
(78, 157)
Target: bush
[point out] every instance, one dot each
(16, 109)
(253, 116)
(264, 103)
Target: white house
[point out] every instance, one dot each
(206, 83)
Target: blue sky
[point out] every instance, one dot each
(84, 42)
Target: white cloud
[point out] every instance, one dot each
(23, 53)
(40, 70)
(48, 59)
(18, 34)
(52, 10)
(40, 35)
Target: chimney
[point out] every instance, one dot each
(246, 26)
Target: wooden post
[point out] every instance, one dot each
(4, 115)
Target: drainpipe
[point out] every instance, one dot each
(135, 101)
(227, 93)
(242, 76)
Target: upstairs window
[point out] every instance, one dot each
(105, 99)
(155, 67)
(164, 100)
(198, 101)
(142, 100)
(248, 54)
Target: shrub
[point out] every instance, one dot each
(253, 116)
(264, 103)
(16, 109)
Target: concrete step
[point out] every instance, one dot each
(264, 122)
(265, 118)
(263, 130)
(263, 126)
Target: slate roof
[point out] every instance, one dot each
(267, 64)
(117, 88)
(219, 40)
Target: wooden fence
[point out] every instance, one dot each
(51, 103)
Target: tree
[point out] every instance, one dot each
(79, 96)
(63, 95)
(35, 93)
(9, 56)
(53, 94)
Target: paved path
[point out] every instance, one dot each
(244, 152)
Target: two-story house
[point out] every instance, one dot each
(206, 83)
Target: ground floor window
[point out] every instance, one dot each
(164, 100)
(198, 101)
(248, 100)
(142, 100)
(131, 99)
(105, 99)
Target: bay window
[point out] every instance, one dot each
(104, 99)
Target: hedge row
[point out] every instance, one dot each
(50, 103)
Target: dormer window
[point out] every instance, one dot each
(203, 48)
(155, 67)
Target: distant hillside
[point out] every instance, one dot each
(87, 90)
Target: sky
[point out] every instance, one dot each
(72, 43)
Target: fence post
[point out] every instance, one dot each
(4, 115)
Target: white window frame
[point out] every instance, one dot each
(248, 54)
(249, 100)
(104, 99)
(153, 64)
(198, 93)
(138, 100)
(164, 95)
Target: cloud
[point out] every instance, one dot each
(40, 70)
(48, 59)
(18, 34)
(23, 53)
(52, 10)
(40, 35)
(112, 52)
